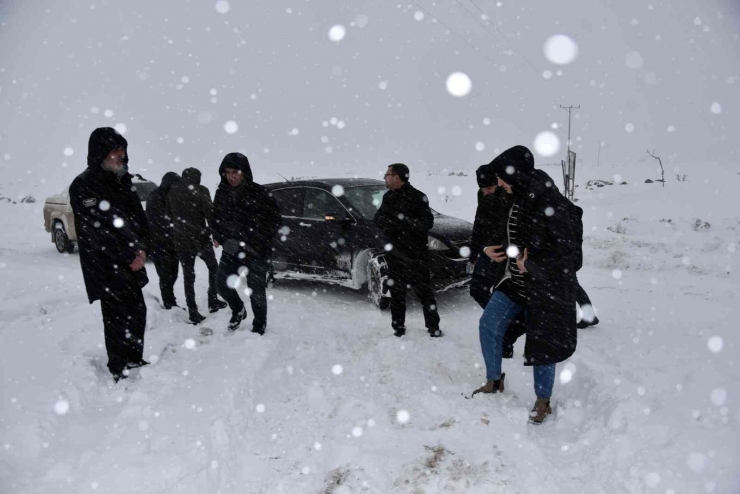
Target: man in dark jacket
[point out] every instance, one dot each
(245, 221)
(190, 207)
(488, 229)
(113, 235)
(540, 261)
(162, 243)
(405, 218)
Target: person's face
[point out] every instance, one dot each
(233, 176)
(115, 160)
(392, 180)
(505, 186)
(488, 190)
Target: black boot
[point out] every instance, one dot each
(400, 331)
(216, 306)
(236, 319)
(196, 317)
(585, 324)
(435, 333)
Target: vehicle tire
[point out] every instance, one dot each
(61, 240)
(377, 274)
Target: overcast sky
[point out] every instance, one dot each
(662, 75)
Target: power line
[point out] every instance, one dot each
(495, 25)
(455, 33)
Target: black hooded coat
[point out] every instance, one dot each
(190, 207)
(547, 227)
(162, 241)
(247, 213)
(110, 223)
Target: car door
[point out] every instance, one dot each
(290, 241)
(329, 226)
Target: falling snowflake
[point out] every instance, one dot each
(337, 32)
(222, 6)
(231, 127)
(560, 49)
(459, 84)
(546, 144)
(61, 407)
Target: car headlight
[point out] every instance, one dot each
(436, 244)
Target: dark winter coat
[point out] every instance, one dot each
(110, 223)
(246, 214)
(162, 242)
(489, 226)
(405, 218)
(190, 207)
(546, 228)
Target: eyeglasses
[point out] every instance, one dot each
(391, 175)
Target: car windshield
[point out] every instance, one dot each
(366, 200)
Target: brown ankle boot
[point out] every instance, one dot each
(496, 386)
(540, 411)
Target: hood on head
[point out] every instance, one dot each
(485, 176)
(514, 166)
(236, 161)
(191, 176)
(169, 179)
(102, 141)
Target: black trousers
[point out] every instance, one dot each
(167, 267)
(404, 272)
(124, 321)
(231, 265)
(187, 259)
(582, 296)
(482, 280)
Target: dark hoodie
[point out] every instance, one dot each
(190, 207)
(514, 166)
(160, 223)
(246, 214)
(110, 223)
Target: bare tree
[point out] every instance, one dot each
(662, 171)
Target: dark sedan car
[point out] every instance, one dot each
(328, 234)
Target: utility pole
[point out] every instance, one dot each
(598, 156)
(569, 109)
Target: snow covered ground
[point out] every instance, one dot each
(329, 401)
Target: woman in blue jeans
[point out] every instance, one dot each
(540, 252)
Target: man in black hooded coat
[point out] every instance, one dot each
(190, 207)
(245, 221)
(113, 238)
(162, 242)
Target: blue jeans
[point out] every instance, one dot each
(497, 316)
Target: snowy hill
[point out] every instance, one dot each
(329, 401)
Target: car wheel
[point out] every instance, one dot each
(61, 240)
(377, 274)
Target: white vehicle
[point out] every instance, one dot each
(59, 220)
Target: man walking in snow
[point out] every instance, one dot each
(540, 256)
(245, 221)
(113, 235)
(405, 218)
(190, 207)
(162, 243)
